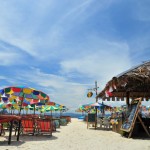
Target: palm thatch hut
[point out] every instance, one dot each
(130, 84)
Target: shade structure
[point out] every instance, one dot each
(50, 108)
(130, 84)
(22, 95)
(3, 106)
(96, 104)
(85, 107)
(10, 106)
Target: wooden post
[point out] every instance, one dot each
(10, 132)
(96, 101)
(21, 103)
(34, 109)
(20, 107)
(19, 126)
(127, 99)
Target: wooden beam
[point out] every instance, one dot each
(127, 99)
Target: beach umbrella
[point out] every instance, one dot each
(96, 104)
(50, 108)
(23, 94)
(9, 106)
(52, 104)
(2, 105)
(28, 107)
(35, 104)
(62, 108)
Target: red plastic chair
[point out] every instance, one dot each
(44, 126)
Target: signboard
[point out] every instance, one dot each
(130, 121)
(91, 117)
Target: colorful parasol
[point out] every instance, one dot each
(50, 108)
(23, 95)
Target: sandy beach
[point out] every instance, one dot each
(75, 136)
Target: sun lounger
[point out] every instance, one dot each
(68, 118)
(57, 124)
(63, 122)
(28, 125)
(44, 126)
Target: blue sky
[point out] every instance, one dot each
(62, 46)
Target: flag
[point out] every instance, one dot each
(108, 94)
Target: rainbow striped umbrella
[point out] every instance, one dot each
(22, 95)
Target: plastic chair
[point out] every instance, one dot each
(106, 123)
(99, 122)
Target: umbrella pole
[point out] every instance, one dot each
(34, 109)
(21, 104)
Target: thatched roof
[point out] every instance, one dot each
(135, 81)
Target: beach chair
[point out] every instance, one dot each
(45, 126)
(57, 124)
(106, 123)
(28, 125)
(63, 122)
(68, 118)
(99, 122)
(54, 125)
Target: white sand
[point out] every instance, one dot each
(75, 136)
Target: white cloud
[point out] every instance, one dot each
(101, 62)
(9, 58)
(19, 27)
(3, 77)
(38, 30)
(43, 30)
(59, 88)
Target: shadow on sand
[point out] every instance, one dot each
(99, 129)
(26, 138)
